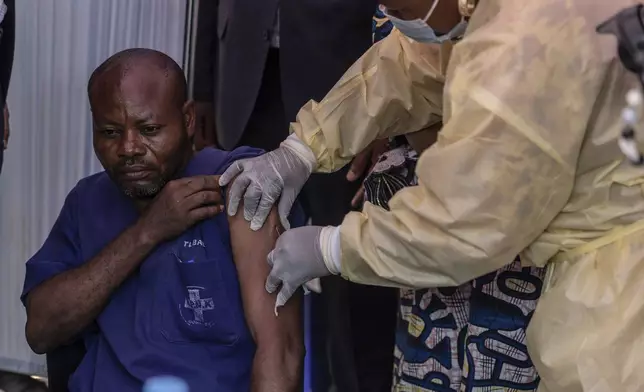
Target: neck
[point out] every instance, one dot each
(142, 204)
(445, 17)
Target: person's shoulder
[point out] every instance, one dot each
(86, 194)
(98, 182)
(92, 191)
(214, 161)
(240, 153)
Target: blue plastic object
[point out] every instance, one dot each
(165, 384)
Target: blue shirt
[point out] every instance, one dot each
(180, 314)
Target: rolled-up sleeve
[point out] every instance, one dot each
(396, 87)
(59, 253)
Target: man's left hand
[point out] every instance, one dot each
(7, 131)
(296, 259)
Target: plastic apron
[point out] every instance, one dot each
(587, 331)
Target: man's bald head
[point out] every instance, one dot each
(140, 61)
(143, 122)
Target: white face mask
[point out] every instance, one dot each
(420, 31)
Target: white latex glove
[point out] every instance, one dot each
(301, 255)
(263, 179)
(313, 286)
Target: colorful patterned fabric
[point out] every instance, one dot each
(380, 25)
(469, 338)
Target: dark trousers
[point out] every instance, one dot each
(353, 324)
(62, 363)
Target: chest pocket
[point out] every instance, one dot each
(199, 298)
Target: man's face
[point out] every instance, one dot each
(444, 17)
(142, 133)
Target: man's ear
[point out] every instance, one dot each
(189, 117)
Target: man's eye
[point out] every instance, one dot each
(150, 130)
(111, 133)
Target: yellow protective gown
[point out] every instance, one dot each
(527, 162)
(395, 88)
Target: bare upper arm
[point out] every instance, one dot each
(250, 250)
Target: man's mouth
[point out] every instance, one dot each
(134, 173)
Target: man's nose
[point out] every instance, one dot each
(130, 144)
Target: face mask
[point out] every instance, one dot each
(420, 31)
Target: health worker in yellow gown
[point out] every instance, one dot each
(527, 162)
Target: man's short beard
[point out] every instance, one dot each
(146, 191)
(182, 155)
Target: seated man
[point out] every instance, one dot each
(141, 264)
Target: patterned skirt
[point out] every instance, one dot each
(467, 338)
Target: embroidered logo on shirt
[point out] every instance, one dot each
(193, 243)
(198, 306)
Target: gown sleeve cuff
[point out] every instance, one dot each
(330, 247)
(299, 148)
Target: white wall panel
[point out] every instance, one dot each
(58, 44)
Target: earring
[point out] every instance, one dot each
(466, 7)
